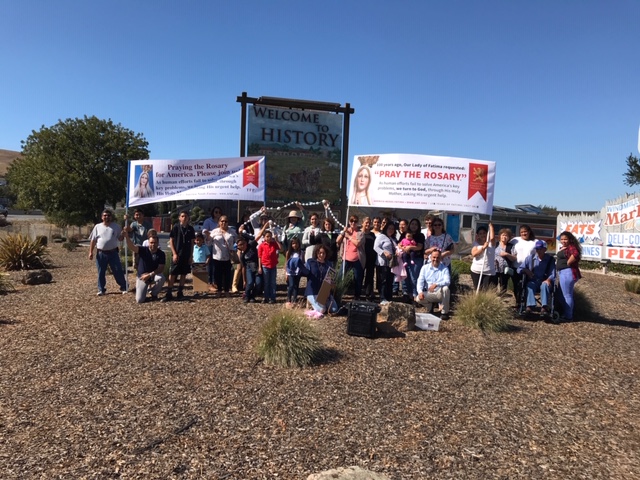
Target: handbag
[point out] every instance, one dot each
(233, 254)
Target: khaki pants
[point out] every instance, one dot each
(236, 285)
(441, 295)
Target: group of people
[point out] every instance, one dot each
(385, 257)
(524, 260)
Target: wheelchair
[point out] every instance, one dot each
(552, 314)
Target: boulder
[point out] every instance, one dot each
(37, 277)
(348, 473)
(397, 318)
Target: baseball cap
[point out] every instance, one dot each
(541, 244)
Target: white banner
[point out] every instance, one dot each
(423, 182)
(153, 181)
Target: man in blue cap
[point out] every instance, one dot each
(539, 271)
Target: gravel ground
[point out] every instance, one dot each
(99, 387)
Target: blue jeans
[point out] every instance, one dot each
(269, 282)
(567, 283)
(254, 282)
(111, 259)
(358, 275)
(293, 281)
(313, 300)
(534, 285)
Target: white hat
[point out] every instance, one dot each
(294, 213)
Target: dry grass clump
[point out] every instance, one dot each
(632, 285)
(485, 311)
(289, 340)
(6, 285)
(19, 252)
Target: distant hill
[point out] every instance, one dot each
(6, 157)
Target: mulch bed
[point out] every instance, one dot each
(99, 387)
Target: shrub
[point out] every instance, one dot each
(460, 266)
(289, 340)
(632, 285)
(5, 284)
(19, 252)
(70, 246)
(485, 311)
(343, 283)
(612, 267)
(43, 239)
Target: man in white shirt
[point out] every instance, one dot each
(105, 238)
(433, 284)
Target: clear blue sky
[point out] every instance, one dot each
(548, 89)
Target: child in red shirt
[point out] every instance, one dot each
(267, 265)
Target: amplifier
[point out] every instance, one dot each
(362, 319)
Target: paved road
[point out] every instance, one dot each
(18, 215)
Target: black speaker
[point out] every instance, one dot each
(362, 319)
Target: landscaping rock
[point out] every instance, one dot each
(37, 277)
(397, 318)
(349, 473)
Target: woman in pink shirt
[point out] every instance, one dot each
(353, 255)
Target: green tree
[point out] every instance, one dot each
(632, 175)
(70, 170)
(548, 209)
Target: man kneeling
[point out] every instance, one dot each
(433, 284)
(150, 268)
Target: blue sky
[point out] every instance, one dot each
(549, 90)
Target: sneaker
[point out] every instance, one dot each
(245, 300)
(444, 316)
(124, 292)
(272, 301)
(252, 300)
(544, 312)
(154, 298)
(384, 302)
(179, 295)
(167, 298)
(101, 293)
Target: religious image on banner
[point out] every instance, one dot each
(304, 150)
(422, 182)
(153, 181)
(144, 181)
